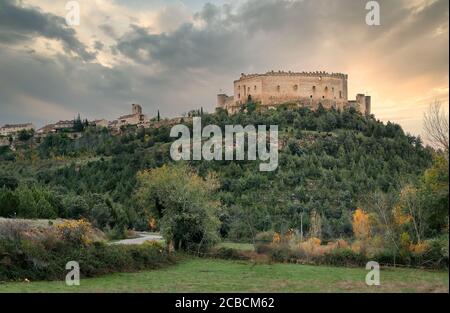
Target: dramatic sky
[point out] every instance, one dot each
(176, 55)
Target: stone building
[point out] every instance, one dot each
(64, 124)
(100, 123)
(59, 126)
(10, 129)
(307, 89)
(135, 118)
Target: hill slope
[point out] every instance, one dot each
(329, 161)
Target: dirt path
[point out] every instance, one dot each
(143, 237)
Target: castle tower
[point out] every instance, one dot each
(136, 109)
(368, 105)
(221, 98)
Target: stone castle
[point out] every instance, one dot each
(308, 89)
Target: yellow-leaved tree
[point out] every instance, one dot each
(361, 224)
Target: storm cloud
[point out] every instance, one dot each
(175, 65)
(18, 23)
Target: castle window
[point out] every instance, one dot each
(323, 97)
(278, 88)
(314, 89)
(310, 96)
(295, 87)
(239, 95)
(326, 89)
(340, 94)
(255, 88)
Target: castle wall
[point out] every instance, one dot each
(304, 89)
(271, 89)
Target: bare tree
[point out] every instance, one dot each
(411, 203)
(381, 204)
(435, 123)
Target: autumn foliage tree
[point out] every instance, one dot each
(361, 224)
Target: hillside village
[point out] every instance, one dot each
(267, 91)
(11, 133)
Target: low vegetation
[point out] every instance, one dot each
(41, 253)
(212, 275)
(348, 188)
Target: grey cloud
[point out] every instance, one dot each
(66, 83)
(184, 48)
(275, 34)
(183, 68)
(69, 86)
(19, 23)
(209, 14)
(98, 45)
(108, 30)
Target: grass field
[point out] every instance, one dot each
(237, 246)
(208, 275)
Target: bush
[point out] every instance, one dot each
(280, 253)
(312, 252)
(263, 248)
(43, 254)
(229, 254)
(116, 233)
(75, 232)
(342, 257)
(264, 237)
(436, 255)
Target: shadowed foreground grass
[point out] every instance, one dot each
(208, 275)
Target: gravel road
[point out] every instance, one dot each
(143, 237)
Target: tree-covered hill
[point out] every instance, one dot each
(329, 161)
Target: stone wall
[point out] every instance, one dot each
(304, 89)
(280, 87)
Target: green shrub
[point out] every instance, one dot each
(342, 257)
(264, 237)
(229, 254)
(44, 258)
(437, 254)
(262, 248)
(115, 233)
(280, 253)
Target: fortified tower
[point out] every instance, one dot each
(136, 109)
(308, 89)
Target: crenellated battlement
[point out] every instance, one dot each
(290, 73)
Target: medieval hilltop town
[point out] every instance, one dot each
(269, 90)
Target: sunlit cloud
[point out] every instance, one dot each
(175, 55)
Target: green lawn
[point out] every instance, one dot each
(237, 246)
(207, 275)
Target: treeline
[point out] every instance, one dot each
(32, 200)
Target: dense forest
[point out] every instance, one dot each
(329, 165)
